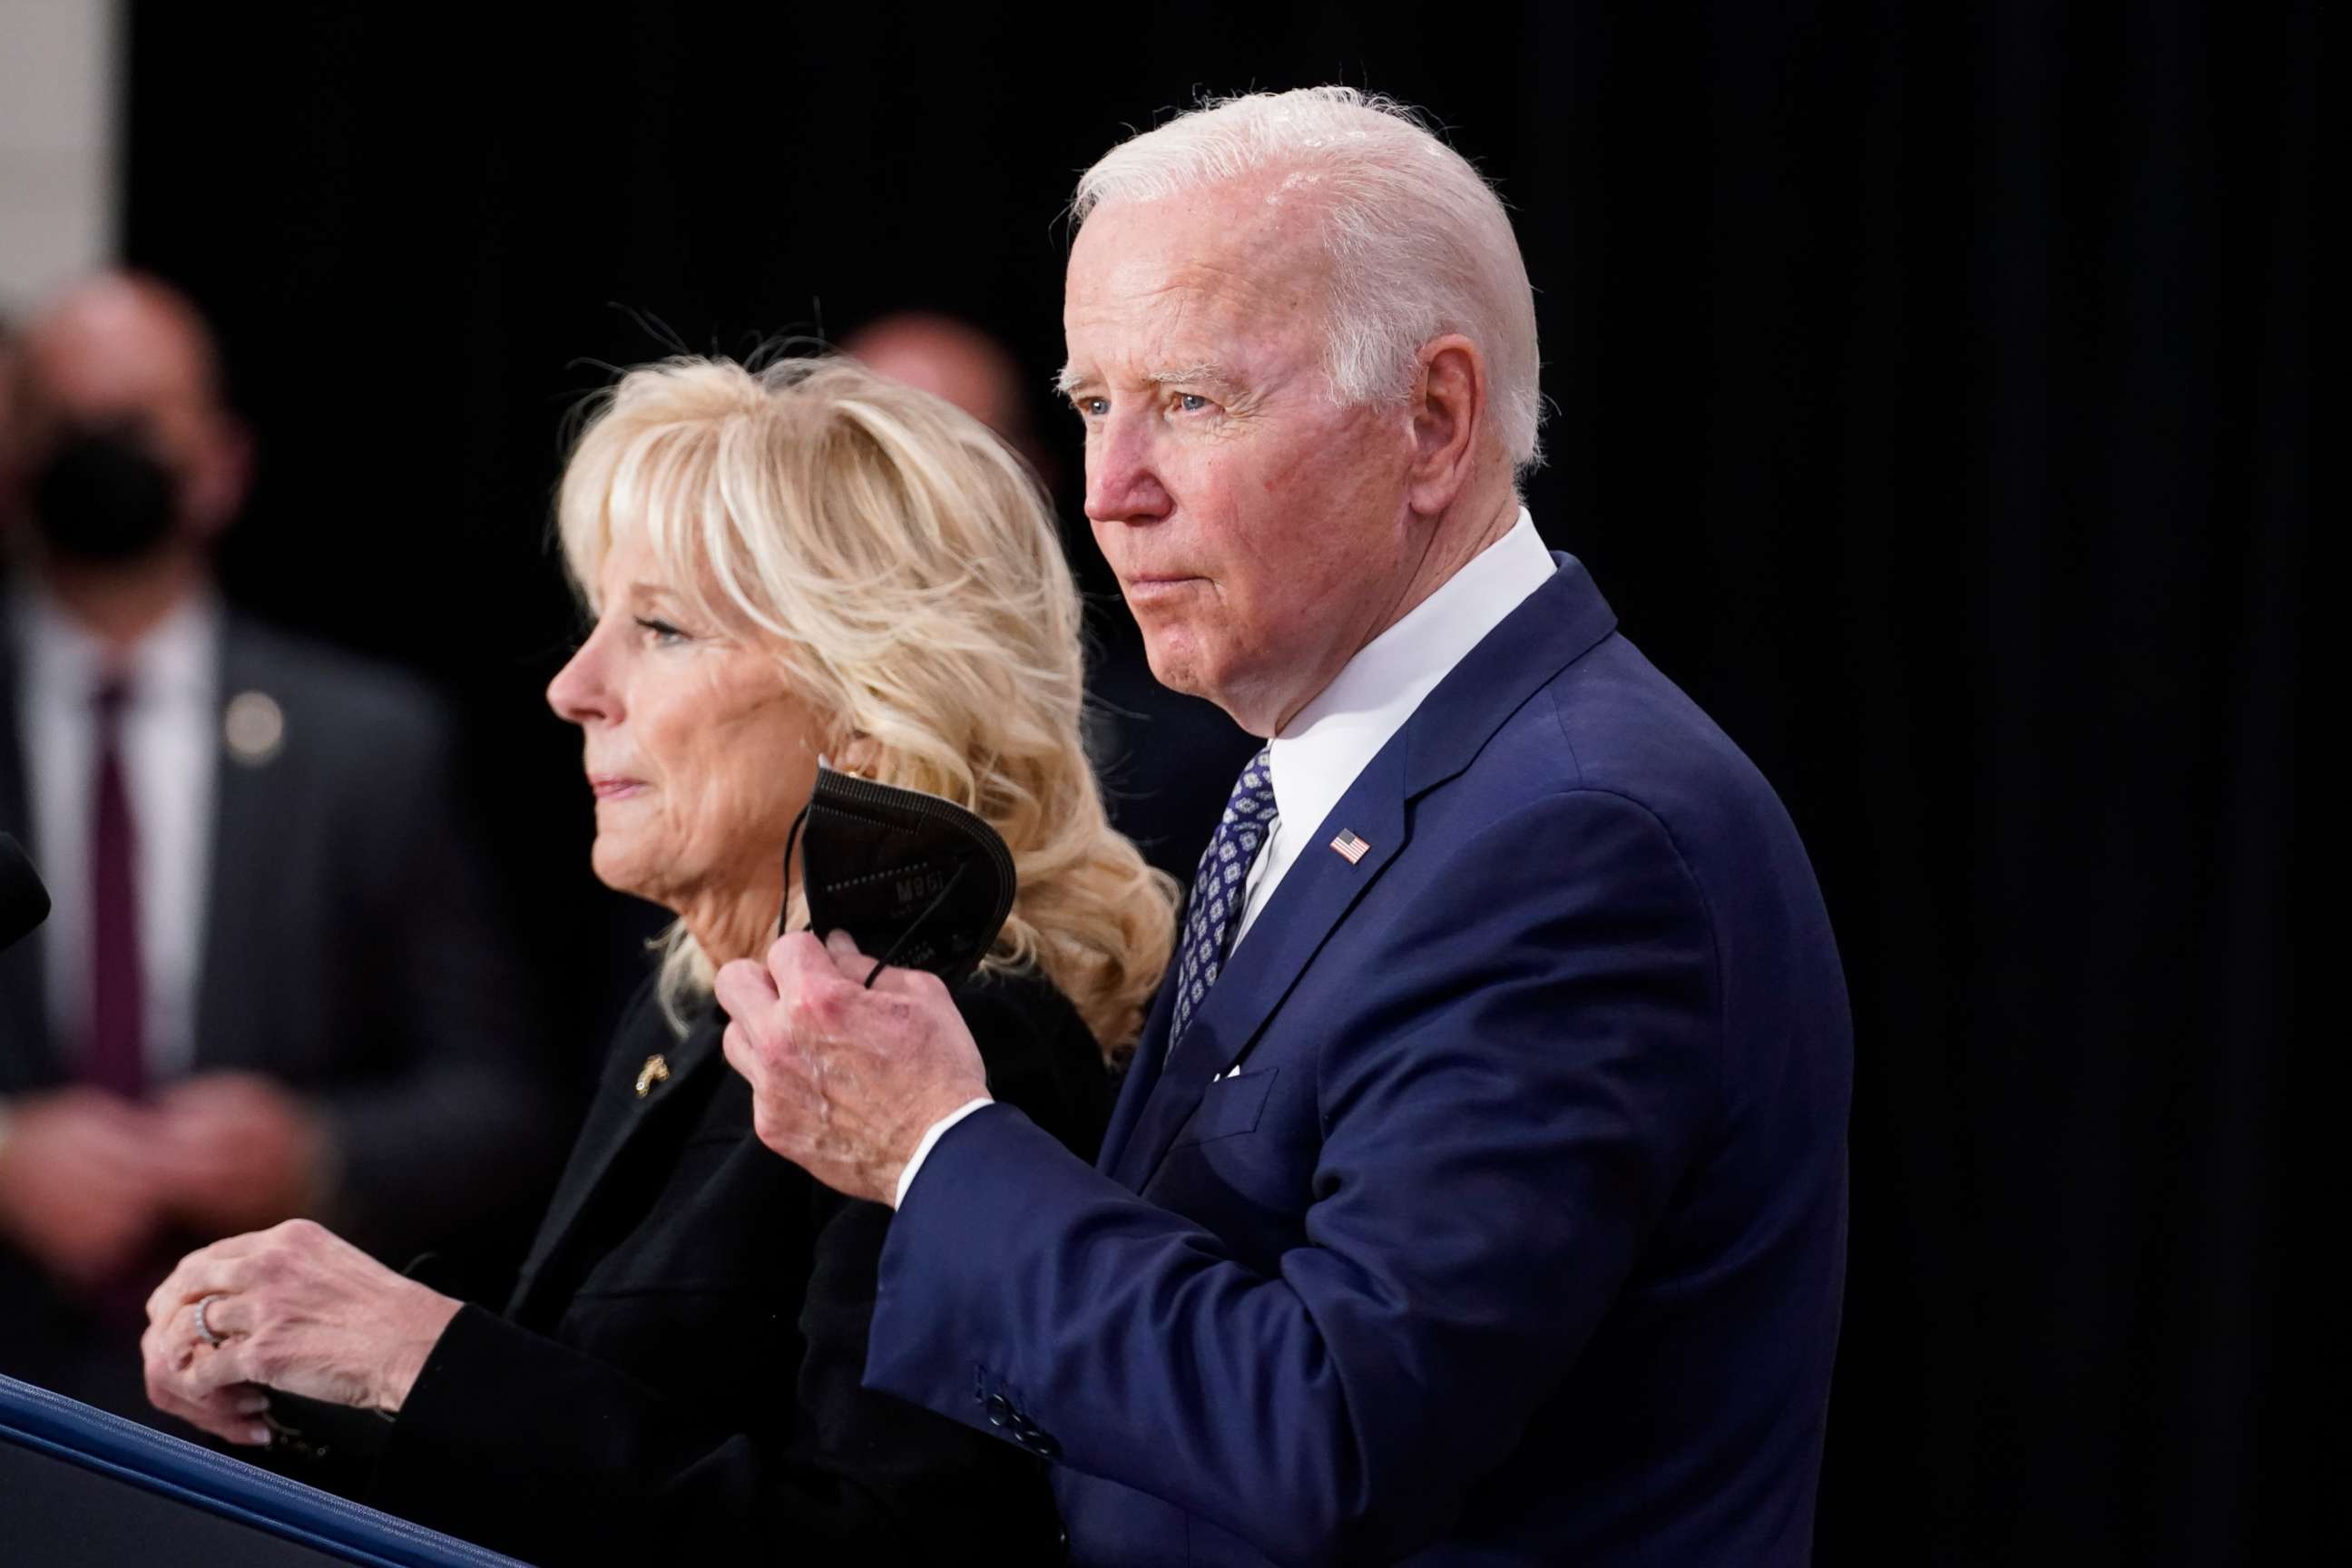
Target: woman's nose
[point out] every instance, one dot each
(581, 692)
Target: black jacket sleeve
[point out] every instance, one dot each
(526, 1446)
(523, 1444)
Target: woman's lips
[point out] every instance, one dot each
(614, 788)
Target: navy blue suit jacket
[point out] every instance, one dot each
(1519, 1234)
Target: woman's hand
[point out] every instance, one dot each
(294, 1308)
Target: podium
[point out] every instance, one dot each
(80, 1487)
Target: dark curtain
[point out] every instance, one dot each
(1932, 399)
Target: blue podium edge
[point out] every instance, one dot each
(156, 1462)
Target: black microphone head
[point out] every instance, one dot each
(23, 902)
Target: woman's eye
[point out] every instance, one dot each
(660, 631)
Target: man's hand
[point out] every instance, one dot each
(234, 1152)
(78, 1188)
(844, 1081)
(295, 1306)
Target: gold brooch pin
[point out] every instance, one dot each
(656, 1070)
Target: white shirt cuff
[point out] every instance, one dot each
(931, 1135)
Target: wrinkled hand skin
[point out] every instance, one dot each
(298, 1308)
(79, 1187)
(845, 1080)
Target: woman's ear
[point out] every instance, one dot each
(857, 753)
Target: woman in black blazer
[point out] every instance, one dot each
(799, 561)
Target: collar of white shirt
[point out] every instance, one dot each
(171, 665)
(1320, 752)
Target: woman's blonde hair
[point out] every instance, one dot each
(903, 564)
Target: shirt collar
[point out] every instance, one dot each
(1323, 747)
(179, 660)
(174, 663)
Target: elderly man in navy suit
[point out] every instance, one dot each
(1478, 1190)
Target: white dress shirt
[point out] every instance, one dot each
(171, 744)
(1329, 742)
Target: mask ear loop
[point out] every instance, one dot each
(915, 925)
(792, 840)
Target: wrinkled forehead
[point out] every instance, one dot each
(1203, 275)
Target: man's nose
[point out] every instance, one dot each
(1123, 481)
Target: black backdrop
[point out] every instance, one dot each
(1932, 399)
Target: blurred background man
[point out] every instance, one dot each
(269, 986)
(953, 359)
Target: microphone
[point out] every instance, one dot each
(23, 902)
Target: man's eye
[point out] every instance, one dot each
(1192, 401)
(1091, 407)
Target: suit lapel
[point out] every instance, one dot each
(619, 1121)
(1316, 894)
(1553, 628)
(249, 800)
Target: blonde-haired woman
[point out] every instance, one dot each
(798, 562)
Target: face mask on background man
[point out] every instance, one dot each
(101, 498)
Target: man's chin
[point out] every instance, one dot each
(1180, 669)
(1176, 662)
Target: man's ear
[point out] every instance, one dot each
(218, 481)
(1449, 419)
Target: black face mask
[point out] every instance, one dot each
(101, 498)
(916, 880)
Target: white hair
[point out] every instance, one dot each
(1418, 243)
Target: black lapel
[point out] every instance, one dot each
(249, 804)
(1554, 626)
(618, 1119)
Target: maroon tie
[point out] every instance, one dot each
(117, 1056)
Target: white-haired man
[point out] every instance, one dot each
(1478, 1192)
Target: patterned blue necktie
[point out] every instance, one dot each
(1220, 889)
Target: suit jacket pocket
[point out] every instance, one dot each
(1230, 1106)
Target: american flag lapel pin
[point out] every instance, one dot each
(1350, 847)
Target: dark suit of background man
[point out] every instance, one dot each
(1478, 1192)
(269, 986)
